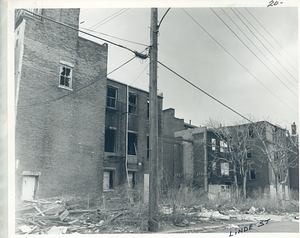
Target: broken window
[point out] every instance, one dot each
(132, 143)
(148, 148)
(65, 76)
(214, 167)
(225, 169)
(108, 179)
(252, 174)
(131, 178)
(132, 106)
(213, 144)
(111, 97)
(223, 146)
(110, 135)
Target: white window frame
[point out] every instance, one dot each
(213, 143)
(112, 98)
(223, 145)
(133, 104)
(66, 65)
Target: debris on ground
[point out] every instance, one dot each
(252, 210)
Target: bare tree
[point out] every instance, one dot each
(237, 143)
(279, 149)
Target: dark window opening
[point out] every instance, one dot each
(251, 133)
(252, 174)
(111, 97)
(65, 76)
(109, 140)
(132, 143)
(132, 103)
(249, 155)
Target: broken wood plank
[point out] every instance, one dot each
(64, 215)
(31, 230)
(82, 211)
(40, 212)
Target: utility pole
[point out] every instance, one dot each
(153, 121)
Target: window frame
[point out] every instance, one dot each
(223, 169)
(111, 172)
(132, 105)
(128, 146)
(70, 66)
(112, 98)
(213, 144)
(254, 172)
(114, 139)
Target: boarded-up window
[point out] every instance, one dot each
(225, 169)
(108, 180)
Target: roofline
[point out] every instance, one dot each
(113, 80)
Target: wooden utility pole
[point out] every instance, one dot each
(153, 121)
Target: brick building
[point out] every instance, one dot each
(71, 133)
(200, 159)
(127, 136)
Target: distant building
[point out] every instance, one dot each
(76, 132)
(294, 159)
(198, 158)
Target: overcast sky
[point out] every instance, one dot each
(254, 74)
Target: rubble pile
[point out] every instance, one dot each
(44, 217)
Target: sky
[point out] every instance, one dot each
(244, 54)
(251, 67)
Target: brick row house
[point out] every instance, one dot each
(76, 131)
(198, 157)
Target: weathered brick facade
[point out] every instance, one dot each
(59, 132)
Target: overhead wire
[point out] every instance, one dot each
(252, 51)
(266, 40)
(118, 38)
(189, 82)
(271, 36)
(75, 91)
(264, 46)
(163, 17)
(140, 74)
(238, 61)
(111, 16)
(73, 28)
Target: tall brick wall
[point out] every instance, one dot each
(58, 135)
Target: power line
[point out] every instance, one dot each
(271, 36)
(116, 37)
(266, 40)
(163, 17)
(253, 52)
(75, 91)
(139, 74)
(203, 91)
(264, 47)
(73, 28)
(112, 17)
(238, 61)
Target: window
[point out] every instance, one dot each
(148, 148)
(132, 103)
(111, 97)
(252, 175)
(251, 133)
(223, 146)
(132, 143)
(225, 169)
(65, 79)
(17, 39)
(131, 178)
(213, 144)
(214, 167)
(110, 139)
(249, 155)
(108, 179)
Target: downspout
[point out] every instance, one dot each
(205, 160)
(126, 140)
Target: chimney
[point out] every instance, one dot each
(190, 122)
(294, 129)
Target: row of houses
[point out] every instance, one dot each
(78, 131)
